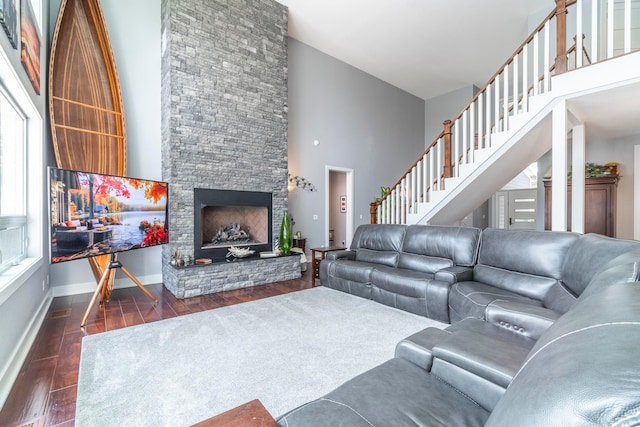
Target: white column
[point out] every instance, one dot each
(636, 199)
(577, 179)
(559, 167)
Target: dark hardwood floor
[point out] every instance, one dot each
(44, 393)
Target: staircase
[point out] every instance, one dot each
(508, 124)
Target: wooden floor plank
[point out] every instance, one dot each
(47, 385)
(62, 406)
(30, 393)
(66, 373)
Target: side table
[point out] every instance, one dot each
(300, 243)
(315, 261)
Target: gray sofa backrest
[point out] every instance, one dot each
(429, 248)
(526, 262)
(583, 370)
(378, 243)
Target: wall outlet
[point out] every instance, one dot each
(315, 217)
(43, 285)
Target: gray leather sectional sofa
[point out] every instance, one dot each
(546, 335)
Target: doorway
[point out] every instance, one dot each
(338, 206)
(515, 209)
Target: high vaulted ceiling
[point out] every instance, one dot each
(425, 47)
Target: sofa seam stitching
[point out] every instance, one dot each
(569, 334)
(349, 407)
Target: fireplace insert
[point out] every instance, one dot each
(225, 218)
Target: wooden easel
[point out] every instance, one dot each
(113, 264)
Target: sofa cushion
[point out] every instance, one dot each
(396, 393)
(350, 270)
(490, 358)
(411, 291)
(389, 258)
(539, 253)
(588, 255)
(470, 299)
(486, 329)
(401, 281)
(459, 245)
(379, 237)
(426, 264)
(526, 284)
(378, 243)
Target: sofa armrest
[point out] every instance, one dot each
(418, 347)
(524, 319)
(454, 274)
(334, 255)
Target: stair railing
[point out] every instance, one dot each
(508, 94)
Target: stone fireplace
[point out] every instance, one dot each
(224, 127)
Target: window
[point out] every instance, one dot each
(21, 178)
(13, 214)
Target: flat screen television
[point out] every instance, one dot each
(96, 214)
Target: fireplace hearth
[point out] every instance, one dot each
(225, 218)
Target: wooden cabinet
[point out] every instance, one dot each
(600, 205)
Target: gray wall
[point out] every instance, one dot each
(361, 123)
(134, 31)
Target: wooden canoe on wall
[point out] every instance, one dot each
(85, 102)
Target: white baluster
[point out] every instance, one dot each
(488, 118)
(546, 83)
(403, 201)
(481, 120)
(515, 84)
(505, 100)
(594, 31)
(525, 79)
(432, 168)
(439, 154)
(456, 144)
(627, 26)
(579, 32)
(496, 103)
(610, 28)
(425, 177)
(472, 133)
(536, 64)
(414, 189)
(465, 137)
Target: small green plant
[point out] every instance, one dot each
(591, 170)
(383, 193)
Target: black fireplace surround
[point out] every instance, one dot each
(209, 201)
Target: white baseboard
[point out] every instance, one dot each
(90, 287)
(12, 369)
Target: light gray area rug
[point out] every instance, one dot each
(283, 350)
